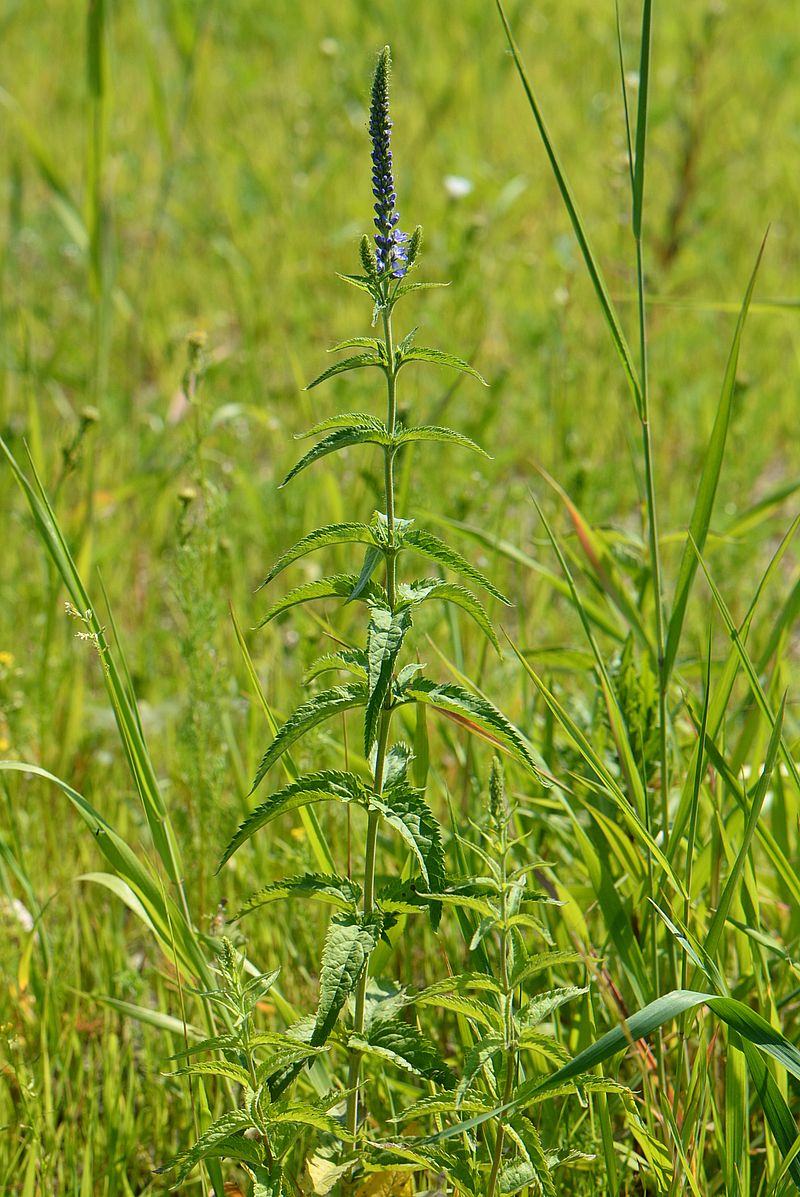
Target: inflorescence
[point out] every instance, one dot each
(390, 243)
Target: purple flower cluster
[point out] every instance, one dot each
(390, 248)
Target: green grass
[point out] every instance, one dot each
(182, 166)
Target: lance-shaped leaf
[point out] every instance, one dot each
(336, 891)
(216, 1135)
(319, 708)
(449, 592)
(357, 362)
(340, 438)
(344, 419)
(479, 1055)
(433, 432)
(224, 1068)
(408, 813)
(350, 660)
(337, 586)
(284, 1056)
(361, 343)
(330, 785)
(348, 944)
(461, 1003)
(362, 281)
(478, 715)
(406, 288)
(430, 546)
(302, 1113)
(403, 1044)
(319, 539)
(420, 353)
(384, 641)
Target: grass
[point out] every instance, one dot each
(187, 168)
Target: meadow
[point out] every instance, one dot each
(182, 182)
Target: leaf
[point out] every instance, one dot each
(330, 534)
(477, 714)
(348, 660)
(461, 1003)
(302, 1114)
(709, 480)
(450, 592)
(433, 432)
(347, 947)
(357, 362)
(336, 586)
(542, 1006)
(536, 964)
(344, 419)
(403, 1044)
(340, 438)
(478, 1056)
(329, 785)
(232, 1072)
(385, 636)
(407, 288)
(421, 354)
(219, 1131)
(337, 891)
(435, 549)
(361, 343)
(408, 813)
(319, 708)
(361, 281)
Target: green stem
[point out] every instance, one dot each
(508, 1021)
(354, 1071)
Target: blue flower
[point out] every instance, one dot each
(390, 243)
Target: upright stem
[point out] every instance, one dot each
(508, 1021)
(383, 732)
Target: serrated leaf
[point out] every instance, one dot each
(331, 534)
(452, 1165)
(362, 281)
(465, 981)
(385, 636)
(336, 586)
(407, 812)
(407, 288)
(479, 1054)
(430, 546)
(216, 1043)
(532, 965)
(343, 419)
(233, 1072)
(216, 1134)
(542, 1006)
(319, 708)
(478, 715)
(435, 588)
(546, 1045)
(434, 432)
(372, 559)
(284, 1057)
(440, 1103)
(350, 660)
(340, 438)
(403, 1044)
(462, 1003)
(329, 785)
(336, 891)
(361, 343)
(347, 947)
(302, 1114)
(407, 341)
(357, 362)
(421, 353)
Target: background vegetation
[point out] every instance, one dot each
(177, 166)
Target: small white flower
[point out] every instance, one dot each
(457, 186)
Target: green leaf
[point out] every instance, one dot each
(709, 480)
(542, 1006)
(478, 1056)
(430, 546)
(435, 588)
(232, 1072)
(403, 1044)
(319, 708)
(372, 559)
(336, 586)
(214, 1137)
(302, 1113)
(385, 636)
(532, 965)
(357, 362)
(408, 813)
(478, 715)
(361, 343)
(362, 281)
(344, 419)
(407, 288)
(433, 432)
(349, 660)
(330, 785)
(337, 891)
(347, 947)
(421, 354)
(340, 438)
(461, 1003)
(330, 534)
